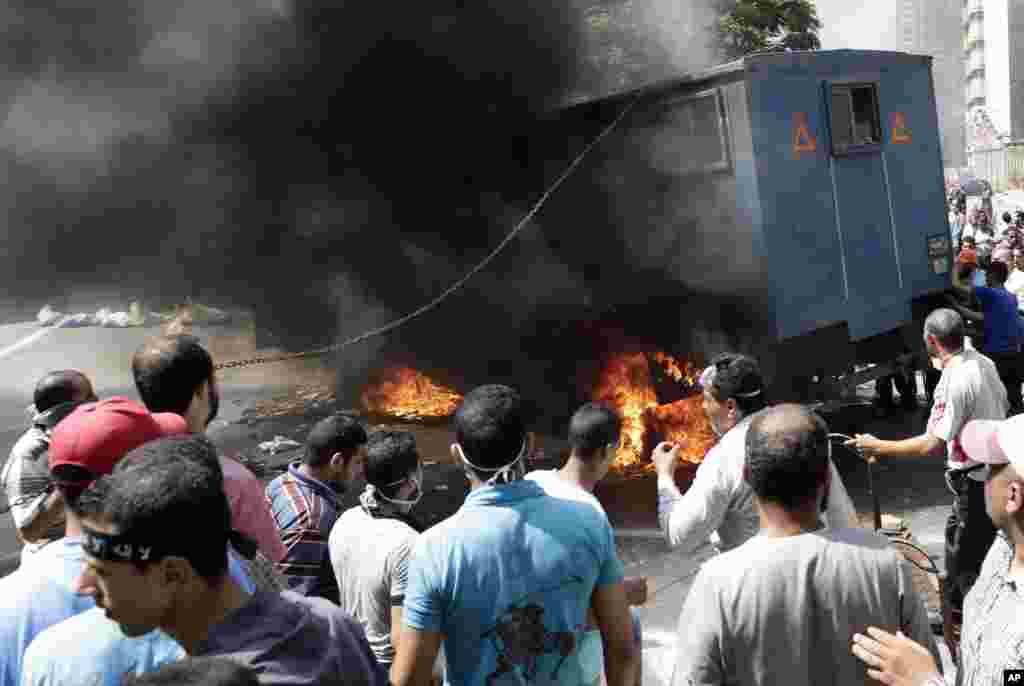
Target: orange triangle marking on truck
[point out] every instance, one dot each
(803, 140)
(900, 133)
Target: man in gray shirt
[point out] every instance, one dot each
(780, 609)
(370, 543)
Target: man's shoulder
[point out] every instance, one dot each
(30, 445)
(278, 482)
(336, 618)
(764, 552)
(554, 485)
(89, 630)
(356, 523)
(570, 509)
(234, 470)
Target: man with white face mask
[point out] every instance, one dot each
(370, 543)
(719, 500)
(506, 582)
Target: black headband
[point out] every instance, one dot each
(116, 548)
(124, 548)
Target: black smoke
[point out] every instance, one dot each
(316, 162)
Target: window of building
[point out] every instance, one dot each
(855, 119)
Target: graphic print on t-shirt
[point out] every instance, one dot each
(525, 648)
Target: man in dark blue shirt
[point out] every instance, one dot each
(1002, 327)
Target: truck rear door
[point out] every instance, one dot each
(873, 282)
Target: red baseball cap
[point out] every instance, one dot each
(95, 436)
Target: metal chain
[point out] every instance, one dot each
(234, 364)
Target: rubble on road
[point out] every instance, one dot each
(279, 444)
(135, 316)
(309, 399)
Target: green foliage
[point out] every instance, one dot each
(746, 26)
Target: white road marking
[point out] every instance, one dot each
(24, 342)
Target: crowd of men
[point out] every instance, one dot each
(150, 558)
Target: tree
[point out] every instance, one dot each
(746, 26)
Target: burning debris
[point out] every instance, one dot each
(626, 384)
(405, 393)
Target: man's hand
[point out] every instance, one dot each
(894, 660)
(666, 457)
(867, 445)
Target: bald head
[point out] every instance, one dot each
(63, 386)
(787, 455)
(947, 327)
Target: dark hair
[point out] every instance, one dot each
(196, 671)
(787, 455)
(999, 271)
(737, 376)
(169, 492)
(71, 480)
(391, 456)
(56, 388)
(947, 326)
(338, 433)
(489, 426)
(593, 427)
(168, 370)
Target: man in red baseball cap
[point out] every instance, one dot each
(93, 438)
(992, 631)
(84, 446)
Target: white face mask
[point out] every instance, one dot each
(408, 504)
(505, 473)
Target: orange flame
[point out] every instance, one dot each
(409, 394)
(625, 384)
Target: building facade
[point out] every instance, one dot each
(994, 72)
(933, 27)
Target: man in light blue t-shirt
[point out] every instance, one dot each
(507, 581)
(93, 651)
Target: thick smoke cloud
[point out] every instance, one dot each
(314, 161)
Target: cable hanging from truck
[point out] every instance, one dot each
(462, 281)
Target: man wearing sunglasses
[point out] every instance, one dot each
(992, 640)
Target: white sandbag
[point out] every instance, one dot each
(48, 316)
(119, 320)
(279, 444)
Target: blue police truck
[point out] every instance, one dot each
(790, 205)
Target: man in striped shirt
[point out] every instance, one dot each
(305, 504)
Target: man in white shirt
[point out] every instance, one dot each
(970, 388)
(719, 499)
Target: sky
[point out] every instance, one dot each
(863, 24)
